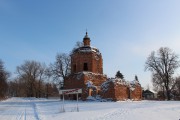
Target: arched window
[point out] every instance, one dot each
(85, 67)
(74, 67)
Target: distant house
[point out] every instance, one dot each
(148, 95)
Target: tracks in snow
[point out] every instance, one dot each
(35, 111)
(20, 116)
(21, 109)
(113, 115)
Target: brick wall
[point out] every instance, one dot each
(120, 90)
(80, 79)
(93, 60)
(115, 92)
(109, 92)
(136, 94)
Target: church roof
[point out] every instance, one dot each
(87, 49)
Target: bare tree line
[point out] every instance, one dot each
(35, 79)
(3, 80)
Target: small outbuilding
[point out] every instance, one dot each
(148, 95)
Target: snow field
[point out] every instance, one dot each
(43, 109)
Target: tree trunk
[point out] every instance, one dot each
(167, 93)
(47, 91)
(39, 90)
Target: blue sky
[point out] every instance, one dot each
(125, 31)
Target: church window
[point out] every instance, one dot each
(74, 67)
(85, 67)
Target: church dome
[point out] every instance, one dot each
(87, 49)
(86, 36)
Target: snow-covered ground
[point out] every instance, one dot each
(43, 109)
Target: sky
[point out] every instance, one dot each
(125, 31)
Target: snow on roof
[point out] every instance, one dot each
(119, 81)
(87, 49)
(105, 85)
(134, 82)
(89, 74)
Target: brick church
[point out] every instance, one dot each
(87, 73)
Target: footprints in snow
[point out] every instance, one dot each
(113, 115)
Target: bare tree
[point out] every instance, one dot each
(178, 86)
(42, 76)
(48, 74)
(31, 72)
(77, 45)
(162, 65)
(61, 68)
(3, 80)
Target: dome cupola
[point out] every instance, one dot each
(86, 40)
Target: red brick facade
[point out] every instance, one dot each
(136, 94)
(118, 89)
(80, 80)
(87, 73)
(86, 61)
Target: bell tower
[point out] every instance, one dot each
(86, 67)
(86, 58)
